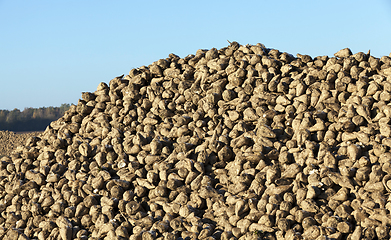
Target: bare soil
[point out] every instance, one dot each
(10, 140)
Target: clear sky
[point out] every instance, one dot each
(51, 51)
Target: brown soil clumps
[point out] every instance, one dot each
(10, 140)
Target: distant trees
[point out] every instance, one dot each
(30, 119)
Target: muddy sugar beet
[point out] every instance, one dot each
(243, 142)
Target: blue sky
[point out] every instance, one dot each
(51, 51)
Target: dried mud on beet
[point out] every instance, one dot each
(244, 142)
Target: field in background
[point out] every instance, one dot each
(10, 140)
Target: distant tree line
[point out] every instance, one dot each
(30, 119)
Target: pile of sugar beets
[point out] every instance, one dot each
(244, 142)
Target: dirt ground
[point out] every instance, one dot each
(10, 140)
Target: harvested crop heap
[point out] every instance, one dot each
(237, 143)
